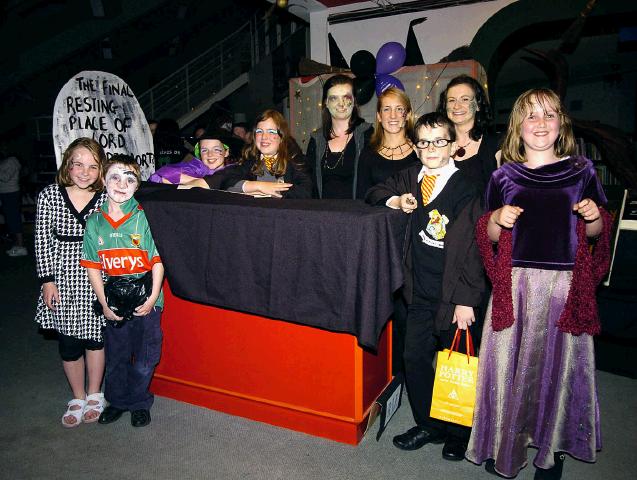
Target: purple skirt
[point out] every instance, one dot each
(536, 384)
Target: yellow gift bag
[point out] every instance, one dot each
(454, 394)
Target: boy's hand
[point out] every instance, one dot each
(408, 203)
(506, 216)
(463, 316)
(145, 308)
(587, 209)
(51, 295)
(110, 314)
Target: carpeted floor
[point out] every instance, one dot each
(188, 442)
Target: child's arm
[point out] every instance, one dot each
(95, 278)
(45, 251)
(158, 277)
(504, 217)
(406, 202)
(273, 189)
(463, 316)
(588, 210)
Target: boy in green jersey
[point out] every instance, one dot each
(118, 242)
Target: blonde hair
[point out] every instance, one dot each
(63, 176)
(378, 137)
(513, 147)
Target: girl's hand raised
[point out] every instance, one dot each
(587, 209)
(506, 216)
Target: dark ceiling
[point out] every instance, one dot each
(140, 41)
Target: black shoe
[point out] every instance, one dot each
(417, 437)
(110, 414)
(140, 418)
(489, 466)
(553, 473)
(454, 449)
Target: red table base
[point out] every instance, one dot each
(293, 376)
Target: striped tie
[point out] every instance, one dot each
(426, 187)
(269, 163)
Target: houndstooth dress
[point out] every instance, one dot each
(59, 232)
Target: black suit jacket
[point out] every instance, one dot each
(463, 279)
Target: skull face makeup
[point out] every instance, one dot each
(121, 183)
(340, 101)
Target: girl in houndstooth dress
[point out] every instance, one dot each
(65, 303)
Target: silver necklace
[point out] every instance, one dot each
(340, 157)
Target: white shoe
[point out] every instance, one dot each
(16, 251)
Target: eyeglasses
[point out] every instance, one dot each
(438, 143)
(269, 131)
(217, 150)
(464, 101)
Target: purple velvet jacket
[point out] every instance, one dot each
(548, 235)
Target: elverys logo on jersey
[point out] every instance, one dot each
(124, 261)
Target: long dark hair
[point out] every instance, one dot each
(483, 115)
(354, 120)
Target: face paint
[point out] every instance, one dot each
(121, 183)
(340, 101)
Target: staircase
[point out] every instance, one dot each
(219, 71)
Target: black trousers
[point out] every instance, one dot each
(421, 345)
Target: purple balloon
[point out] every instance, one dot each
(390, 57)
(383, 82)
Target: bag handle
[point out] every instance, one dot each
(455, 344)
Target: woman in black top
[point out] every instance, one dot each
(334, 150)
(390, 149)
(465, 103)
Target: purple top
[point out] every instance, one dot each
(195, 168)
(544, 235)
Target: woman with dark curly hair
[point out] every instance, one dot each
(465, 103)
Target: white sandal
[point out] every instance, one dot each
(96, 407)
(76, 413)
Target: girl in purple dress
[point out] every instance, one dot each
(536, 380)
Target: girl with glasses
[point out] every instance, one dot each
(272, 165)
(211, 156)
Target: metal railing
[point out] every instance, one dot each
(206, 75)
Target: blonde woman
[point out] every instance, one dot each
(390, 148)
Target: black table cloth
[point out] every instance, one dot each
(329, 264)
